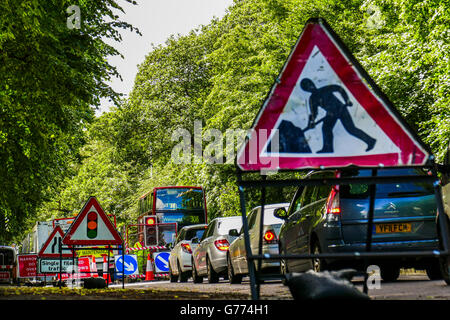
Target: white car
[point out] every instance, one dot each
(210, 256)
(180, 261)
(237, 256)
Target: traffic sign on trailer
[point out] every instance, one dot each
(325, 111)
(50, 249)
(92, 227)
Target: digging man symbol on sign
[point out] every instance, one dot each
(335, 110)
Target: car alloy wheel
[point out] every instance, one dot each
(234, 278)
(173, 278)
(213, 277)
(184, 276)
(195, 277)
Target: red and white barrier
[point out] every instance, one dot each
(156, 275)
(146, 248)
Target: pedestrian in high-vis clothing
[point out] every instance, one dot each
(141, 254)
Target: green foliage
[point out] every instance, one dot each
(50, 77)
(408, 58)
(221, 74)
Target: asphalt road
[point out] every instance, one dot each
(407, 287)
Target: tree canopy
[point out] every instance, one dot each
(219, 76)
(51, 77)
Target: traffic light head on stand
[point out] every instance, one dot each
(151, 232)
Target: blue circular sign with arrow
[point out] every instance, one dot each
(162, 261)
(128, 265)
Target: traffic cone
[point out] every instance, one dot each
(106, 275)
(94, 268)
(149, 270)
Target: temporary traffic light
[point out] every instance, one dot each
(151, 230)
(151, 237)
(92, 223)
(150, 220)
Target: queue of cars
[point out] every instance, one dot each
(323, 219)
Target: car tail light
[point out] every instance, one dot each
(186, 247)
(333, 203)
(270, 237)
(222, 244)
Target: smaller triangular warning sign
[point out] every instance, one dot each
(50, 249)
(92, 227)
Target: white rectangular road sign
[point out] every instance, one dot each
(53, 265)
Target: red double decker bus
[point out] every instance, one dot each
(170, 209)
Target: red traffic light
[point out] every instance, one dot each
(150, 220)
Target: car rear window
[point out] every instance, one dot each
(269, 218)
(385, 190)
(226, 225)
(194, 233)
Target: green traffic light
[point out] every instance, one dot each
(92, 234)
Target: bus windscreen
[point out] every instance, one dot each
(179, 199)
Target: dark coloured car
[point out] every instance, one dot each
(333, 219)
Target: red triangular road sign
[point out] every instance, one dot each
(92, 227)
(50, 249)
(322, 113)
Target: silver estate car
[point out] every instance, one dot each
(237, 255)
(210, 257)
(180, 259)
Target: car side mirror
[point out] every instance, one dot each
(233, 233)
(195, 240)
(280, 213)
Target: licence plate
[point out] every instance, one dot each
(392, 227)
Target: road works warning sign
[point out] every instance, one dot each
(325, 111)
